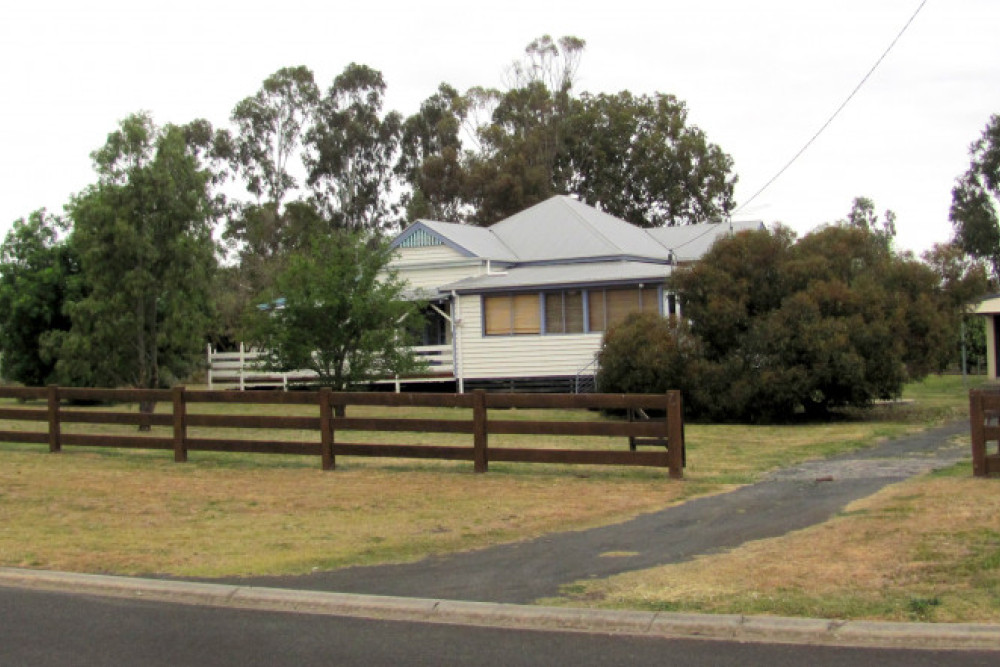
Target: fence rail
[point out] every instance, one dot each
(331, 422)
(984, 422)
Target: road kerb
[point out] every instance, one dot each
(765, 629)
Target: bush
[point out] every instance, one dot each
(778, 327)
(647, 354)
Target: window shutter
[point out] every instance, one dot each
(595, 306)
(554, 313)
(621, 303)
(497, 310)
(527, 314)
(574, 311)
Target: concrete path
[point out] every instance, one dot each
(787, 500)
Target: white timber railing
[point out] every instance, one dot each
(243, 369)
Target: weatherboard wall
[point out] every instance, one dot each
(427, 255)
(519, 356)
(433, 266)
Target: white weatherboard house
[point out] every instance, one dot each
(524, 303)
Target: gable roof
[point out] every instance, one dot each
(564, 230)
(467, 240)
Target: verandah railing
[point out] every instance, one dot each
(244, 368)
(331, 423)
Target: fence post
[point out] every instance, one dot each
(480, 455)
(675, 434)
(631, 419)
(977, 427)
(242, 365)
(180, 425)
(326, 429)
(209, 359)
(55, 440)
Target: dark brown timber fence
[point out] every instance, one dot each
(984, 422)
(332, 422)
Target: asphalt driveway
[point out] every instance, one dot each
(787, 500)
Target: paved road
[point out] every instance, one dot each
(44, 629)
(788, 500)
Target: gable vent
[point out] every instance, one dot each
(420, 238)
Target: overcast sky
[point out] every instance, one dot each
(759, 77)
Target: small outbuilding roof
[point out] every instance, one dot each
(988, 305)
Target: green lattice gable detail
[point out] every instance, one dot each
(421, 238)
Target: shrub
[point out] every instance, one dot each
(778, 327)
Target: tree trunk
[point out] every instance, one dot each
(146, 409)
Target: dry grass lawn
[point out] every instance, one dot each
(137, 512)
(924, 549)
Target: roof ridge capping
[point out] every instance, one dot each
(565, 228)
(569, 202)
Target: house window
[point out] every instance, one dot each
(564, 312)
(518, 314)
(608, 307)
(512, 314)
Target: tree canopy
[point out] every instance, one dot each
(337, 310)
(634, 156)
(976, 199)
(143, 236)
(38, 277)
(317, 161)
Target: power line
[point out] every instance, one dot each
(835, 113)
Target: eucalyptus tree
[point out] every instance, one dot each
(432, 158)
(976, 199)
(863, 216)
(351, 151)
(522, 145)
(270, 125)
(638, 157)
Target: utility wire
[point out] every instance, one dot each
(835, 113)
(711, 227)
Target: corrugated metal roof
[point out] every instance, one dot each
(562, 228)
(469, 240)
(480, 241)
(553, 275)
(690, 242)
